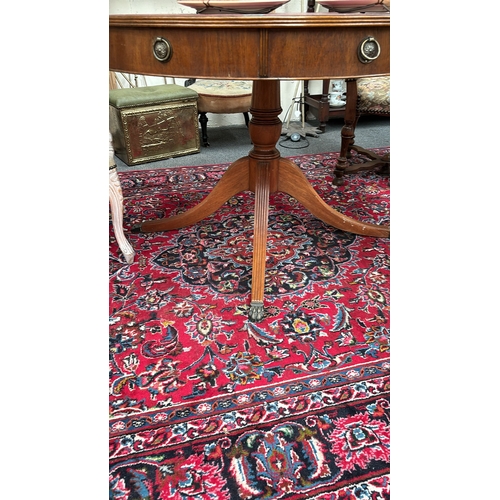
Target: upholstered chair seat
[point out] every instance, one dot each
(374, 95)
(221, 97)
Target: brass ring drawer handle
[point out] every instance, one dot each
(162, 49)
(368, 50)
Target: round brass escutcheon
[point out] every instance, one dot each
(368, 50)
(162, 49)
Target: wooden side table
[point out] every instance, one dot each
(265, 49)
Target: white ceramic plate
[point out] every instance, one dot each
(352, 5)
(336, 103)
(237, 6)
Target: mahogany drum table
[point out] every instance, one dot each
(265, 48)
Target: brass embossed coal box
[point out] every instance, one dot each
(153, 123)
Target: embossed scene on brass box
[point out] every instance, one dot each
(159, 131)
(151, 133)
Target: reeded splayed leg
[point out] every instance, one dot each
(265, 130)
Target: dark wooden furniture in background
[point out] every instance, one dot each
(265, 49)
(362, 98)
(319, 105)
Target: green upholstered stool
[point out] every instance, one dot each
(153, 123)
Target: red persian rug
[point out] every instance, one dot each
(207, 405)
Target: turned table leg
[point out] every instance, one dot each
(265, 131)
(347, 132)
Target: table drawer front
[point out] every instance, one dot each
(196, 53)
(326, 53)
(249, 53)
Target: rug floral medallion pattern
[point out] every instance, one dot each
(205, 404)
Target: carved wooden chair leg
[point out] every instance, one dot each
(116, 205)
(347, 132)
(204, 132)
(379, 163)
